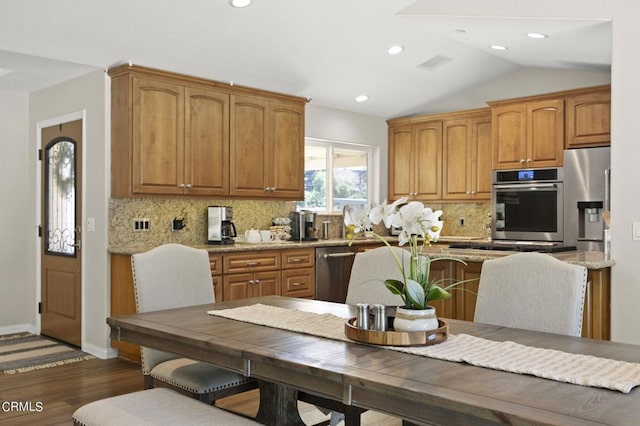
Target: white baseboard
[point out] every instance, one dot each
(99, 351)
(17, 328)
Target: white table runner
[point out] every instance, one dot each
(507, 356)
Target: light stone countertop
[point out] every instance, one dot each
(589, 259)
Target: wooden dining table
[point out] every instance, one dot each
(416, 388)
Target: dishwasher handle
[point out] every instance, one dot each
(334, 255)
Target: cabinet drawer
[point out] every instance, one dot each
(215, 260)
(302, 258)
(298, 282)
(251, 262)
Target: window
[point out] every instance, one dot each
(336, 173)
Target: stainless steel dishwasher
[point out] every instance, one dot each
(333, 269)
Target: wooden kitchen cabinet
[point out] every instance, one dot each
(243, 286)
(298, 273)
(442, 271)
(215, 262)
(527, 133)
(175, 135)
(251, 274)
(267, 148)
(467, 157)
(415, 160)
(588, 118)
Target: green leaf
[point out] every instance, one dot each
(415, 294)
(395, 287)
(436, 293)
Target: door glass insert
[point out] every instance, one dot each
(60, 198)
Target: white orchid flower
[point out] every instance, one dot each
(385, 212)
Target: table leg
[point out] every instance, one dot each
(278, 405)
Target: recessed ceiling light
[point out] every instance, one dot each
(498, 47)
(362, 98)
(239, 3)
(394, 50)
(536, 35)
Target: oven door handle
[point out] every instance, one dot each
(527, 186)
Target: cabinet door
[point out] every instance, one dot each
(589, 119)
(157, 137)
(427, 161)
(442, 271)
(509, 132)
(237, 286)
(457, 156)
(465, 297)
(249, 146)
(481, 158)
(215, 263)
(545, 133)
(206, 142)
(285, 157)
(400, 162)
(266, 284)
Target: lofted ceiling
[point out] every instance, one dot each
(327, 50)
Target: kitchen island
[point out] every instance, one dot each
(287, 268)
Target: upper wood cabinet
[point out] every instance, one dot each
(179, 135)
(267, 148)
(588, 118)
(415, 161)
(527, 134)
(467, 158)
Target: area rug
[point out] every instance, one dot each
(28, 352)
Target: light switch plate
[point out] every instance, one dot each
(91, 224)
(636, 231)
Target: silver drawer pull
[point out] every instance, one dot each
(296, 260)
(252, 263)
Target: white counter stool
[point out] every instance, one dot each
(154, 407)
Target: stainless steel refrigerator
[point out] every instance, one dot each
(587, 174)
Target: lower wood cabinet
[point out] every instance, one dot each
(244, 286)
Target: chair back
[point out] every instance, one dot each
(170, 276)
(370, 269)
(532, 291)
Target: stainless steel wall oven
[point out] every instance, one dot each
(528, 205)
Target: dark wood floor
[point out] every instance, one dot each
(61, 390)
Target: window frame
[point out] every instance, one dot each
(372, 168)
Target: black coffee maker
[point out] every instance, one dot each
(303, 226)
(221, 229)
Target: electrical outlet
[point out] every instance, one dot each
(141, 225)
(462, 221)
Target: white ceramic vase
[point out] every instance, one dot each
(415, 319)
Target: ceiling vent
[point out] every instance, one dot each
(435, 63)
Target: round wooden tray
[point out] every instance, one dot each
(396, 338)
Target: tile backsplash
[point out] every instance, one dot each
(249, 214)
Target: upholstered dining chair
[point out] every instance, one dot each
(366, 285)
(533, 291)
(370, 269)
(174, 276)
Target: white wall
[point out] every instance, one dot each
(343, 126)
(87, 94)
(14, 215)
